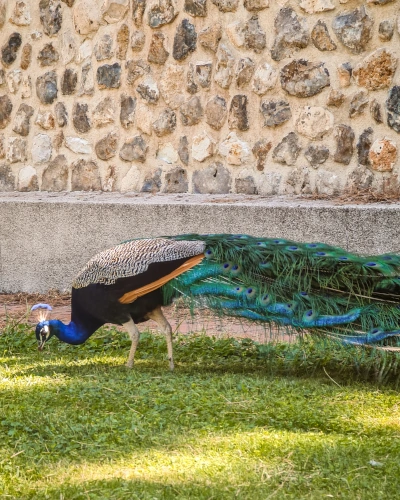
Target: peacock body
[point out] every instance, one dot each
(311, 287)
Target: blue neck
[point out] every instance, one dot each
(71, 333)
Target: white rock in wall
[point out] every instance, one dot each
(236, 152)
(68, 46)
(202, 147)
(171, 85)
(41, 148)
(313, 6)
(26, 87)
(236, 33)
(327, 183)
(270, 184)
(78, 145)
(314, 122)
(27, 179)
(14, 79)
(144, 119)
(45, 120)
(265, 79)
(131, 180)
(85, 51)
(87, 17)
(104, 112)
(167, 153)
(114, 10)
(21, 14)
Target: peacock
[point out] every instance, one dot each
(307, 287)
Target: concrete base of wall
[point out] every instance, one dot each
(46, 238)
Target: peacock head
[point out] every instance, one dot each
(44, 329)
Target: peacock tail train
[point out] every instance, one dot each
(312, 287)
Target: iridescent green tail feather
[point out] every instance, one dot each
(310, 287)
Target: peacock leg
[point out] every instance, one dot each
(134, 335)
(158, 316)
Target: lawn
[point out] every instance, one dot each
(233, 420)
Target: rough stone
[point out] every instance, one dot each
(144, 119)
(80, 118)
(106, 148)
(321, 38)
(358, 103)
(203, 147)
(5, 111)
(109, 76)
(183, 150)
(152, 182)
(353, 29)
(36, 35)
(2, 76)
(314, 6)
(176, 181)
(314, 122)
(21, 14)
(158, 54)
(255, 5)
(291, 34)
(10, 49)
(45, 119)
(50, 16)
(363, 147)
(167, 153)
(16, 150)
(203, 74)
(27, 179)
(360, 178)
(288, 150)
(165, 123)
(265, 79)
(270, 184)
(26, 56)
(209, 37)
(393, 108)
(3, 13)
(122, 42)
(191, 85)
(376, 111)
(68, 46)
(85, 176)
(55, 175)
(148, 90)
(345, 71)
(134, 150)
(376, 71)
(115, 10)
(85, 51)
(316, 155)
(48, 55)
(61, 114)
(224, 67)
(69, 81)
(215, 179)
(171, 85)
(386, 30)
(104, 48)
(298, 181)
(275, 112)
(87, 80)
(327, 183)
(236, 151)
(238, 118)
(2, 147)
(138, 40)
(87, 17)
(236, 33)
(383, 155)
(136, 69)
(41, 148)
(14, 79)
(191, 111)
(216, 112)
(254, 36)
(104, 112)
(161, 12)
(78, 145)
(131, 180)
(58, 141)
(127, 114)
(260, 150)
(226, 5)
(335, 98)
(7, 178)
(302, 78)
(184, 41)
(26, 87)
(138, 8)
(246, 185)
(344, 137)
(380, 2)
(244, 71)
(196, 8)
(22, 119)
(46, 87)
(110, 179)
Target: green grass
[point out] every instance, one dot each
(232, 421)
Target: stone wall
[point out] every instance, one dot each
(199, 96)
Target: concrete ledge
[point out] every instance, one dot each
(46, 238)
